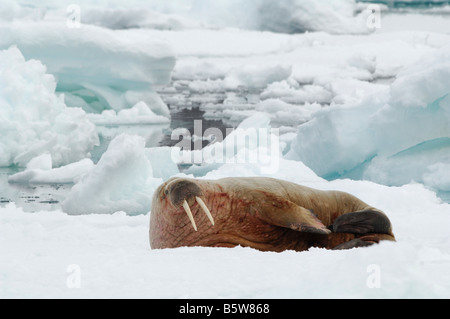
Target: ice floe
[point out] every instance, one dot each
(34, 119)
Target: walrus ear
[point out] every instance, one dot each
(290, 215)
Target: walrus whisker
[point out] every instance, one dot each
(189, 213)
(205, 209)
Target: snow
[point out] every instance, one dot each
(341, 107)
(114, 259)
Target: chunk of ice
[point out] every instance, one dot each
(34, 120)
(99, 68)
(122, 180)
(393, 136)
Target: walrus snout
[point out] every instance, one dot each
(182, 190)
(185, 193)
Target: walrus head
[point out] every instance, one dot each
(184, 193)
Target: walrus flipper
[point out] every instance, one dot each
(363, 222)
(290, 215)
(373, 226)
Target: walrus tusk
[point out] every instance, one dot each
(189, 213)
(205, 209)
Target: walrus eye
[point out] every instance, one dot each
(166, 192)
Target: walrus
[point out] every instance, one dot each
(262, 213)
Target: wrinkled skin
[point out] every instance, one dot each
(262, 213)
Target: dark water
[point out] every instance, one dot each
(183, 115)
(50, 196)
(31, 197)
(411, 4)
(185, 118)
